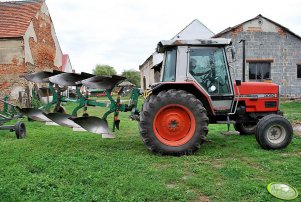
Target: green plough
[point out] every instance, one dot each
(60, 81)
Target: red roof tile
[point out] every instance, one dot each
(15, 17)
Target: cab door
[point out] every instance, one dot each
(208, 67)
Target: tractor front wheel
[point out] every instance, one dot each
(273, 132)
(174, 122)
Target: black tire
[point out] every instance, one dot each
(20, 130)
(274, 132)
(85, 114)
(59, 109)
(157, 115)
(245, 128)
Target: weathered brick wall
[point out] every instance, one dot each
(284, 48)
(11, 64)
(42, 51)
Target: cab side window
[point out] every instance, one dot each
(169, 73)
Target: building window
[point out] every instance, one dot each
(259, 70)
(299, 71)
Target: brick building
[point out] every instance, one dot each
(28, 43)
(272, 52)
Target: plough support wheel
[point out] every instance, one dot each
(20, 130)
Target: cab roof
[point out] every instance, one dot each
(164, 44)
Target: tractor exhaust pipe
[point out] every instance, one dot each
(243, 59)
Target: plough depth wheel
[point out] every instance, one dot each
(20, 130)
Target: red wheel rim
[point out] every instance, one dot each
(174, 125)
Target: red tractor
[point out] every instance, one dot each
(196, 89)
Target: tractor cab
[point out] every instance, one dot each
(203, 62)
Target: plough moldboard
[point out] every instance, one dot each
(58, 82)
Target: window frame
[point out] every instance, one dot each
(260, 62)
(299, 66)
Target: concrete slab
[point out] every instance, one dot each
(79, 129)
(51, 123)
(109, 136)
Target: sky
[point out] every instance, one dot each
(124, 33)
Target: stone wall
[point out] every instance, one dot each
(146, 73)
(280, 47)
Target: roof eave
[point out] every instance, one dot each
(11, 37)
(259, 16)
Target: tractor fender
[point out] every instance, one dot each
(190, 87)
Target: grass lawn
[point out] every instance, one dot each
(55, 164)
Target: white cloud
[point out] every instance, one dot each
(124, 33)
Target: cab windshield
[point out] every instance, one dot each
(208, 66)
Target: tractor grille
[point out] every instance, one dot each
(270, 104)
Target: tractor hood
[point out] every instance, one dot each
(257, 90)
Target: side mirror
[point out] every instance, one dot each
(233, 53)
(238, 82)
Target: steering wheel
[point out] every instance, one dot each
(207, 79)
(220, 80)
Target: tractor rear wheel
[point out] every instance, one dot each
(245, 128)
(174, 122)
(273, 132)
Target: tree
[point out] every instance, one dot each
(104, 70)
(132, 76)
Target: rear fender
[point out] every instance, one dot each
(190, 87)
